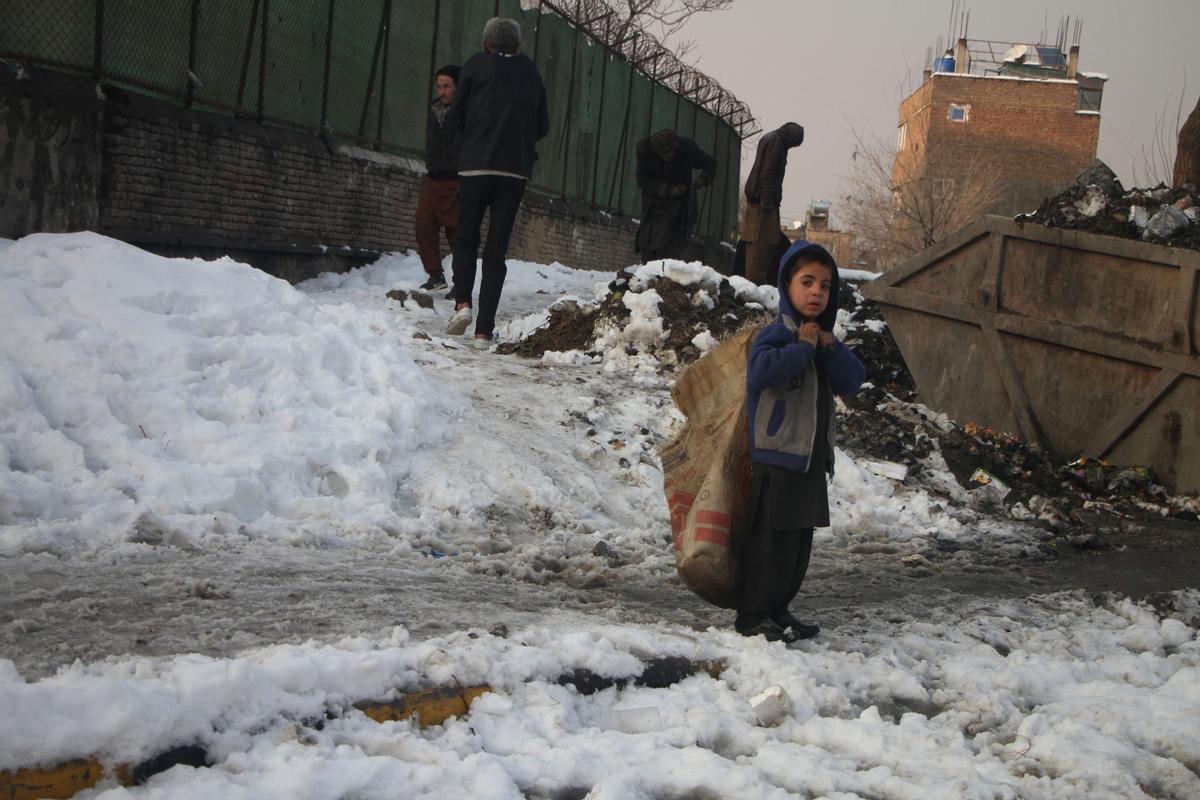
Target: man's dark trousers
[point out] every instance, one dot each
(476, 194)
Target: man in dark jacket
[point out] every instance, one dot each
(764, 193)
(664, 173)
(437, 206)
(500, 112)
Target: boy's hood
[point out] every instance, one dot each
(829, 315)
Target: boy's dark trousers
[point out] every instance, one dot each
(477, 194)
(772, 565)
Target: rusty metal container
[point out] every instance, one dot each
(1084, 344)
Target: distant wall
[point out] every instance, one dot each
(840, 244)
(185, 182)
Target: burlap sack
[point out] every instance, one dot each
(706, 470)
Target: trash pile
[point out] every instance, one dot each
(1004, 473)
(687, 307)
(1028, 473)
(1098, 203)
(687, 319)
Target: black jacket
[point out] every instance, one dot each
(441, 146)
(667, 218)
(500, 112)
(765, 183)
(655, 174)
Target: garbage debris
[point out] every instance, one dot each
(772, 706)
(992, 486)
(1098, 203)
(1166, 222)
(885, 469)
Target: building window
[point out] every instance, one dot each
(902, 136)
(1087, 98)
(958, 113)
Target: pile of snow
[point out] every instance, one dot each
(1047, 698)
(652, 318)
(173, 401)
(590, 471)
(649, 318)
(644, 337)
(148, 397)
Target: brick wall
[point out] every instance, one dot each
(188, 183)
(1026, 131)
(839, 244)
(913, 134)
(185, 182)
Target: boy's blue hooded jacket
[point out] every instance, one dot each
(781, 377)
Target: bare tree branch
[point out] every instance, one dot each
(663, 18)
(897, 206)
(1154, 163)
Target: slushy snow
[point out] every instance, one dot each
(154, 405)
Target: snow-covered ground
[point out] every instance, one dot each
(167, 414)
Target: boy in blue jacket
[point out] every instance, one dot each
(795, 367)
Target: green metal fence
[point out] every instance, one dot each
(362, 70)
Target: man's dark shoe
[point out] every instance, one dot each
(798, 628)
(434, 283)
(769, 629)
(450, 294)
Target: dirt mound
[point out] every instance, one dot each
(1097, 203)
(687, 311)
(570, 327)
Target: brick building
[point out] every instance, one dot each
(815, 229)
(1020, 117)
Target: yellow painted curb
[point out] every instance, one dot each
(430, 707)
(58, 782)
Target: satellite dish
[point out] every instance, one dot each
(1016, 53)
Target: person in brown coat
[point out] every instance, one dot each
(764, 193)
(437, 206)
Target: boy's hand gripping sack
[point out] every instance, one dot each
(706, 470)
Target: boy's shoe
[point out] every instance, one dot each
(798, 628)
(482, 341)
(450, 294)
(459, 322)
(770, 630)
(434, 283)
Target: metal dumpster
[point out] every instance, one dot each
(1084, 344)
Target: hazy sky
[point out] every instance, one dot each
(832, 65)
